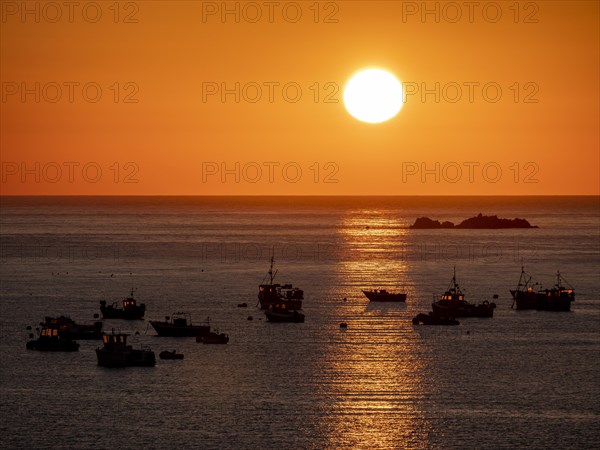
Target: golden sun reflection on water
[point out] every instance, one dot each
(373, 250)
(377, 373)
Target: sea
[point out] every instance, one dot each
(522, 379)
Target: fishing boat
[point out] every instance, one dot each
(213, 338)
(280, 313)
(68, 328)
(51, 340)
(558, 298)
(166, 354)
(453, 304)
(382, 295)
(116, 353)
(179, 325)
(130, 309)
(431, 319)
(270, 293)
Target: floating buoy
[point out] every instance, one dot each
(242, 305)
(137, 333)
(250, 317)
(468, 332)
(345, 299)
(29, 327)
(343, 325)
(495, 296)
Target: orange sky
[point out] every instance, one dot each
(168, 140)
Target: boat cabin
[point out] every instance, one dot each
(451, 295)
(129, 303)
(180, 321)
(49, 332)
(115, 341)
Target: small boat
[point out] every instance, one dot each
(51, 340)
(166, 354)
(116, 353)
(180, 325)
(69, 329)
(270, 293)
(280, 313)
(431, 319)
(130, 310)
(558, 298)
(213, 338)
(453, 304)
(382, 295)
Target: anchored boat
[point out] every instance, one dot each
(179, 325)
(431, 319)
(213, 338)
(68, 328)
(280, 313)
(558, 298)
(51, 340)
(130, 310)
(453, 304)
(270, 294)
(116, 353)
(382, 295)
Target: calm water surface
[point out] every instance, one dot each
(522, 379)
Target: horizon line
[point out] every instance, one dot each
(297, 195)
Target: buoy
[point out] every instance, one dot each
(343, 325)
(250, 317)
(137, 332)
(29, 327)
(345, 299)
(96, 316)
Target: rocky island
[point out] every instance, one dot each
(478, 222)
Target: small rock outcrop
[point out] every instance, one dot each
(478, 222)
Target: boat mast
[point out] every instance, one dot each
(271, 274)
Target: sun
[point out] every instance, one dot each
(373, 95)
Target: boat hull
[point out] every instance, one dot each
(53, 345)
(292, 305)
(387, 297)
(462, 309)
(170, 355)
(108, 312)
(167, 329)
(430, 319)
(541, 301)
(129, 358)
(285, 317)
(213, 338)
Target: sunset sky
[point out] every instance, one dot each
(160, 128)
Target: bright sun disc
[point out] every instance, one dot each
(373, 96)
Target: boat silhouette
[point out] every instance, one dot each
(116, 353)
(270, 293)
(453, 304)
(179, 325)
(130, 309)
(558, 298)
